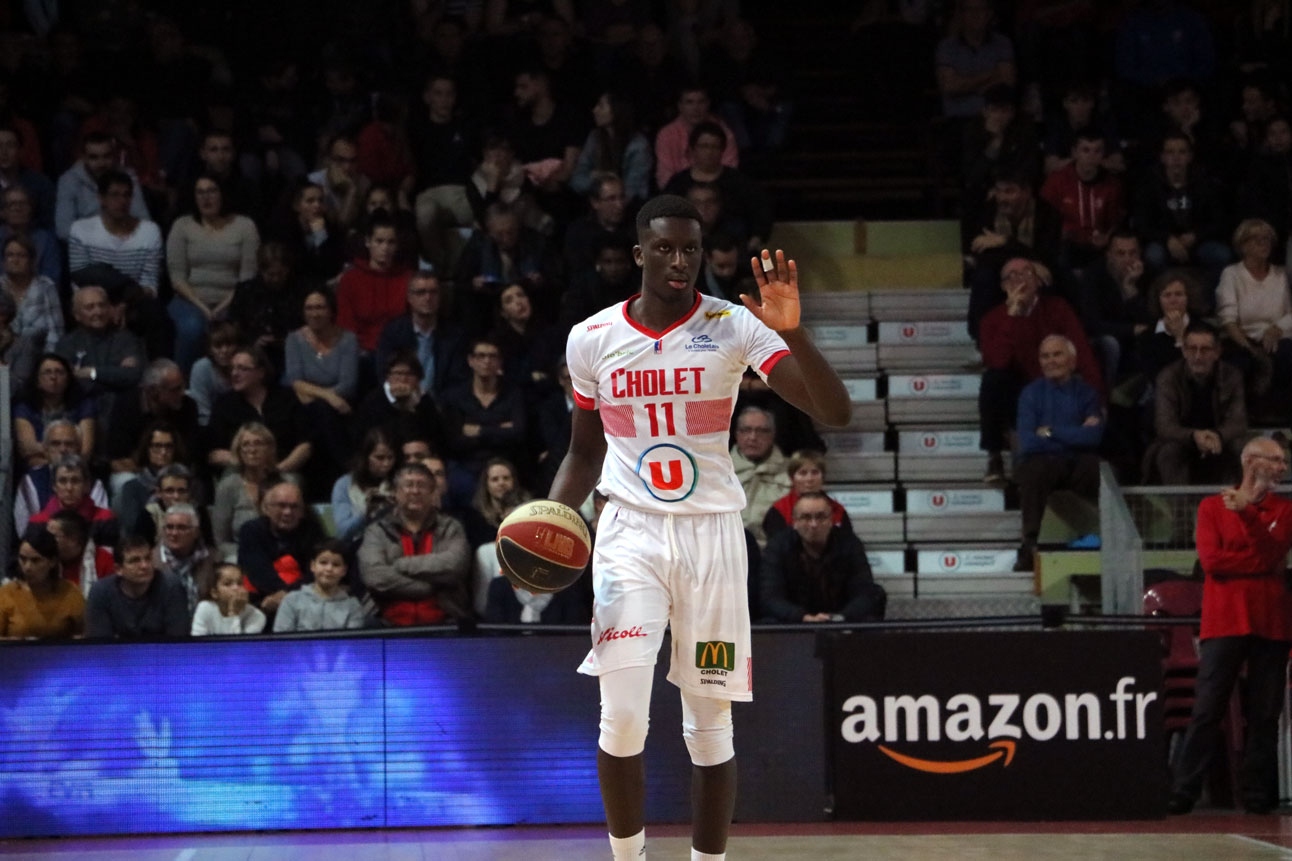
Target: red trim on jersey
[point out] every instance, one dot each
(655, 336)
(584, 403)
(766, 367)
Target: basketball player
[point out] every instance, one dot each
(655, 379)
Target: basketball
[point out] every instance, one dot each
(543, 546)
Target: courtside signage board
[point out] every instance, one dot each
(933, 385)
(945, 442)
(954, 500)
(1014, 725)
(861, 390)
(926, 332)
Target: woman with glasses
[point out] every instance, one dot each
(159, 447)
(39, 314)
(238, 495)
(50, 394)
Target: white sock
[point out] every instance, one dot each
(629, 848)
(697, 855)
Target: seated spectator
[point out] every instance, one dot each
(51, 394)
(420, 329)
(817, 573)
(414, 560)
(238, 495)
(138, 601)
(973, 58)
(158, 448)
(1258, 105)
(1013, 224)
(39, 602)
(372, 292)
(83, 562)
(274, 549)
(1011, 339)
(343, 185)
(211, 375)
(652, 78)
(482, 419)
(385, 157)
(365, 490)
(160, 399)
(501, 179)
(497, 492)
(1060, 426)
(61, 440)
(314, 238)
(255, 398)
(183, 554)
(1175, 300)
(606, 219)
(613, 280)
(759, 466)
(72, 483)
(528, 346)
(1179, 212)
(325, 604)
(36, 188)
(1079, 114)
(382, 201)
(997, 139)
(116, 235)
(616, 147)
(1254, 305)
(38, 314)
(504, 253)
(217, 155)
(78, 188)
(226, 609)
(748, 83)
(1200, 416)
(323, 372)
(16, 219)
(672, 142)
(1181, 111)
(17, 352)
(106, 359)
(1266, 190)
(1113, 308)
(721, 276)
(208, 252)
(1090, 200)
(268, 306)
(806, 470)
(399, 407)
(176, 485)
(444, 144)
(547, 134)
(743, 200)
(707, 199)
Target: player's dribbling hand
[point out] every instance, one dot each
(779, 288)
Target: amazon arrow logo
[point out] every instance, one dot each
(935, 766)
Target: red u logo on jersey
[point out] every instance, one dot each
(668, 473)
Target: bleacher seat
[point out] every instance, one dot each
(932, 399)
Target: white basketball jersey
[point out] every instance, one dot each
(666, 399)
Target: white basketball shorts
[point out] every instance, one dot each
(687, 571)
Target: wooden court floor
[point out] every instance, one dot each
(1218, 836)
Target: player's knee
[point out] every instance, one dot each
(623, 728)
(707, 730)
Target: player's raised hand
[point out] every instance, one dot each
(778, 285)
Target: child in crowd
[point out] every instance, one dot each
(226, 610)
(325, 604)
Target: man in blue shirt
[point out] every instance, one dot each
(1060, 426)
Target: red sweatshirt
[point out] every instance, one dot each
(367, 300)
(1086, 207)
(1015, 342)
(1242, 554)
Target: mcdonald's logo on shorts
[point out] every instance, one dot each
(715, 655)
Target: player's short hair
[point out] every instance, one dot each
(666, 206)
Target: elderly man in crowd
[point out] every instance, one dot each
(274, 549)
(105, 358)
(182, 554)
(759, 465)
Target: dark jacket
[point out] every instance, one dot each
(448, 347)
(405, 586)
(849, 589)
(1156, 218)
(276, 562)
(162, 611)
(1173, 401)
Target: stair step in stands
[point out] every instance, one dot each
(943, 454)
(964, 513)
(929, 345)
(854, 456)
(846, 347)
(872, 512)
(928, 305)
(931, 399)
(837, 308)
(869, 412)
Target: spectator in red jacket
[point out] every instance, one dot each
(372, 292)
(1091, 200)
(1010, 340)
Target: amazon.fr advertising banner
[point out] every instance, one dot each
(1012, 725)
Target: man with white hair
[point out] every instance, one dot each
(760, 466)
(105, 358)
(181, 552)
(61, 439)
(1060, 426)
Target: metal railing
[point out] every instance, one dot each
(1121, 549)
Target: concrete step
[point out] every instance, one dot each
(928, 304)
(859, 456)
(946, 454)
(869, 412)
(930, 399)
(872, 512)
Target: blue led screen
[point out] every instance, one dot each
(363, 732)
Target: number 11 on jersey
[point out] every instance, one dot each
(655, 412)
